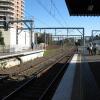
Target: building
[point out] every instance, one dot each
(83, 7)
(19, 10)
(13, 10)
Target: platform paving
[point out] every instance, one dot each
(85, 84)
(64, 89)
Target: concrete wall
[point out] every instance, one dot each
(31, 57)
(24, 39)
(12, 37)
(10, 62)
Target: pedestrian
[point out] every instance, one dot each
(90, 48)
(76, 44)
(94, 48)
(32, 45)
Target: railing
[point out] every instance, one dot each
(8, 0)
(6, 5)
(14, 49)
(8, 11)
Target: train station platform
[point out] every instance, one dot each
(12, 54)
(81, 80)
(9, 55)
(8, 60)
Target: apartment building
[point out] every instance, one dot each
(19, 10)
(13, 10)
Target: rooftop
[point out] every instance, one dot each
(83, 7)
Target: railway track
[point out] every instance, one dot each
(41, 66)
(28, 69)
(42, 84)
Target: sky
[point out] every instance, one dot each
(54, 13)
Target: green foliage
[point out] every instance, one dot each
(50, 52)
(1, 39)
(0, 34)
(41, 37)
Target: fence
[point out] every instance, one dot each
(14, 49)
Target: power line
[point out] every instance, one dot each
(52, 2)
(49, 11)
(45, 8)
(32, 16)
(52, 8)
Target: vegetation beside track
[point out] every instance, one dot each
(52, 50)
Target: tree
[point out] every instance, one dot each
(41, 38)
(1, 39)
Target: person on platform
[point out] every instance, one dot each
(32, 45)
(90, 48)
(94, 48)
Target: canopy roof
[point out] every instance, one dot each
(83, 7)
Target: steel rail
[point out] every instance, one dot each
(55, 78)
(27, 83)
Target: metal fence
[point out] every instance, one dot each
(14, 49)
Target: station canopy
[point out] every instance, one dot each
(83, 7)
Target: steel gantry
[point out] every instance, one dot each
(66, 28)
(27, 23)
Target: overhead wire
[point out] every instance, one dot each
(48, 11)
(30, 16)
(34, 18)
(52, 2)
(52, 9)
(53, 6)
